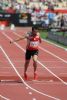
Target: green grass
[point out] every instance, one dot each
(44, 35)
(59, 33)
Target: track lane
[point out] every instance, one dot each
(33, 89)
(52, 61)
(40, 87)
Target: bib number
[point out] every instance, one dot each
(34, 44)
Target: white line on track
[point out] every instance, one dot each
(53, 55)
(34, 99)
(65, 83)
(3, 97)
(14, 83)
(45, 50)
(54, 44)
(13, 66)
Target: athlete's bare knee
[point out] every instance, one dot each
(35, 58)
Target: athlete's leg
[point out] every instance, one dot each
(25, 69)
(27, 60)
(35, 62)
(35, 66)
(26, 65)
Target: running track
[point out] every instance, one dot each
(52, 70)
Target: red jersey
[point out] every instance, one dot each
(33, 42)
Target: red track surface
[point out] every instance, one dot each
(54, 58)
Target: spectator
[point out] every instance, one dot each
(10, 10)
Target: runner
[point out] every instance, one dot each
(33, 40)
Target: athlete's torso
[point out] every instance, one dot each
(32, 42)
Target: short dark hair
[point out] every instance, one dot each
(34, 28)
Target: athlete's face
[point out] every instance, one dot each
(35, 31)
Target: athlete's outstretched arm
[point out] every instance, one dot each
(21, 38)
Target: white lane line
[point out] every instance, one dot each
(52, 73)
(3, 97)
(38, 67)
(65, 83)
(34, 99)
(30, 93)
(53, 55)
(27, 88)
(45, 50)
(13, 66)
(54, 44)
(13, 83)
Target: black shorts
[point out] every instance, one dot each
(30, 53)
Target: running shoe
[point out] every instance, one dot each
(35, 76)
(25, 76)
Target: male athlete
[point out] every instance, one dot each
(33, 40)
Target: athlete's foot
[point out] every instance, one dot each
(35, 76)
(25, 76)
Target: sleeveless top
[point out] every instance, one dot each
(33, 42)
